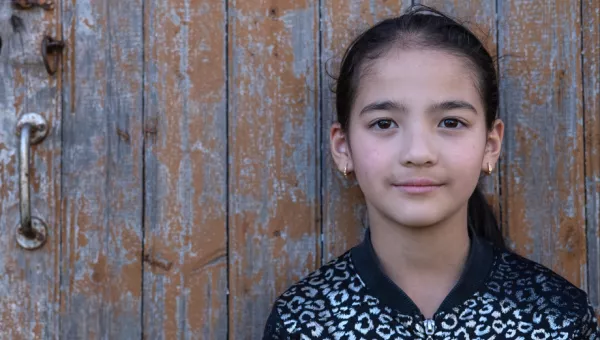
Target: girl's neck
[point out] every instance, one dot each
(425, 262)
(430, 248)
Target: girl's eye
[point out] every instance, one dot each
(451, 123)
(384, 124)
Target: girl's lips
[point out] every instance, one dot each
(417, 189)
(418, 185)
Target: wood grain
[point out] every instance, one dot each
(591, 99)
(29, 286)
(344, 212)
(102, 170)
(186, 180)
(541, 103)
(185, 249)
(273, 137)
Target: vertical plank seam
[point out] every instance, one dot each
(320, 138)
(502, 166)
(227, 174)
(60, 219)
(585, 174)
(143, 217)
(106, 221)
(499, 216)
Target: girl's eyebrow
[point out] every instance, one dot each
(391, 105)
(385, 105)
(452, 105)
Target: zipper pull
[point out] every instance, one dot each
(429, 328)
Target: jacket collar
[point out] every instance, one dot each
(477, 268)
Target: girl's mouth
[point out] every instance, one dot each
(418, 185)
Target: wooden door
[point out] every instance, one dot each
(86, 176)
(29, 280)
(186, 181)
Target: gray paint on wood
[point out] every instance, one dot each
(28, 279)
(591, 95)
(185, 128)
(102, 170)
(542, 186)
(185, 276)
(274, 233)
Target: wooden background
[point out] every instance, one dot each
(186, 180)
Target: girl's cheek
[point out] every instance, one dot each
(370, 155)
(465, 157)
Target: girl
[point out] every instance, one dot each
(417, 101)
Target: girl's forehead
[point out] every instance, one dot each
(419, 64)
(418, 74)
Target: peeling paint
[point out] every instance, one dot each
(102, 170)
(543, 188)
(274, 153)
(591, 95)
(300, 24)
(550, 170)
(185, 170)
(29, 307)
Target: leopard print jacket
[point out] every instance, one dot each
(500, 296)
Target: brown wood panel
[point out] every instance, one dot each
(591, 100)
(344, 213)
(29, 284)
(541, 103)
(273, 135)
(102, 170)
(185, 249)
(480, 17)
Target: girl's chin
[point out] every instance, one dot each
(418, 215)
(415, 221)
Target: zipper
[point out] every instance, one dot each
(429, 328)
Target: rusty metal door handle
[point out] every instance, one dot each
(32, 231)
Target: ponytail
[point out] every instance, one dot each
(482, 220)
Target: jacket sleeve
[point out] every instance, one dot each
(274, 328)
(588, 328)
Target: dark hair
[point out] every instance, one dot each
(426, 28)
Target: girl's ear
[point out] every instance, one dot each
(340, 148)
(493, 145)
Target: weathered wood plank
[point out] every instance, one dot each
(344, 213)
(591, 100)
(273, 124)
(185, 249)
(541, 103)
(102, 170)
(480, 17)
(28, 279)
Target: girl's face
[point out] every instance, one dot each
(417, 140)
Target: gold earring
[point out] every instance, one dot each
(346, 170)
(489, 169)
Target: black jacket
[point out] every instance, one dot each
(499, 296)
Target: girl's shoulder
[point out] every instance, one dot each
(333, 284)
(335, 275)
(530, 286)
(522, 275)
